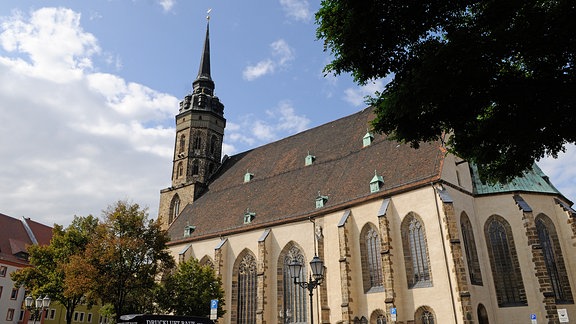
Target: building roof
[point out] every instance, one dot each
(533, 180)
(284, 189)
(17, 234)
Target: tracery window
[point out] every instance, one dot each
(470, 250)
(246, 290)
(415, 252)
(504, 262)
(554, 260)
(294, 309)
(179, 170)
(174, 208)
(370, 247)
(424, 315)
(197, 142)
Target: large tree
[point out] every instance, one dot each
(497, 76)
(124, 258)
(47, 274)
(189, 290)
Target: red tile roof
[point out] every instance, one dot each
(14, 238)
(284, 189)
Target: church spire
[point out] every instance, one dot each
(204, 70)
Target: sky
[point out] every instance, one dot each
(89, 91)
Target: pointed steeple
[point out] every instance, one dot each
(204, 70)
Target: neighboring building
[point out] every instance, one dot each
(15, 236)
(410, 234)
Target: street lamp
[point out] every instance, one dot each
(37, 305)
(314, 280)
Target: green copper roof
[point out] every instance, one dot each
(533, 180)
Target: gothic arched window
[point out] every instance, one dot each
(415, 252)
(213, 144)
(179, 170)
(504, 262)
(370, 248)
(244, 311)
(182, 143)
(424, 315)
(554, 260)
(195, 168)
(174, 208)
(197, 142)
(378, 317)
(293, 306)
(470, 249)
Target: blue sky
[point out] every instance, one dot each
(89, 90)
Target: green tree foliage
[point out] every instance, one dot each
(47, 275)
(189, 290)
(119, 267)
(499, 76)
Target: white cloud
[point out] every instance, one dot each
(54, 44)
(279, 122)
(297, 9)
(356, 96)
(282, 54)
(261, 68)
(282, 51)
(72, 138)
(167, 5)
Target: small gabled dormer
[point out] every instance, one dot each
(188, 230)
(309, 159)
(321, 200)
(248, 176)
(249, 216)
(376, 183)
(367, 139)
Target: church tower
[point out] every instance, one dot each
(198, 145)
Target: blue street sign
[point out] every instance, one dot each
(214, 304)
(532, 316)
(393, 310)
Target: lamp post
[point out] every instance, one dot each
(314, 280)
(37, 305)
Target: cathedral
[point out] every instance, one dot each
(383, 233)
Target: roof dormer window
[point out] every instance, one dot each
(321, 200)
(376, 183)
(248, 176)
(367, 140)
(249, 216)
(309, 159)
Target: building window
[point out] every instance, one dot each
(361, 320)
(1, 288)
(213, 144)
(182, 145)
(89, 318)
(197, 142)
(3, 270)
(52, 314)
(179, 170)
(554, 260)
(76, 314)
(470, 250)
(293, 298)
(21, 315)
(370, 247)
(415, 252)
(10, 314)
(378, 317)
(424, 315)
(195, 168)
(174, 208)
(245, 292)
(14, 293)
(504, 262)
